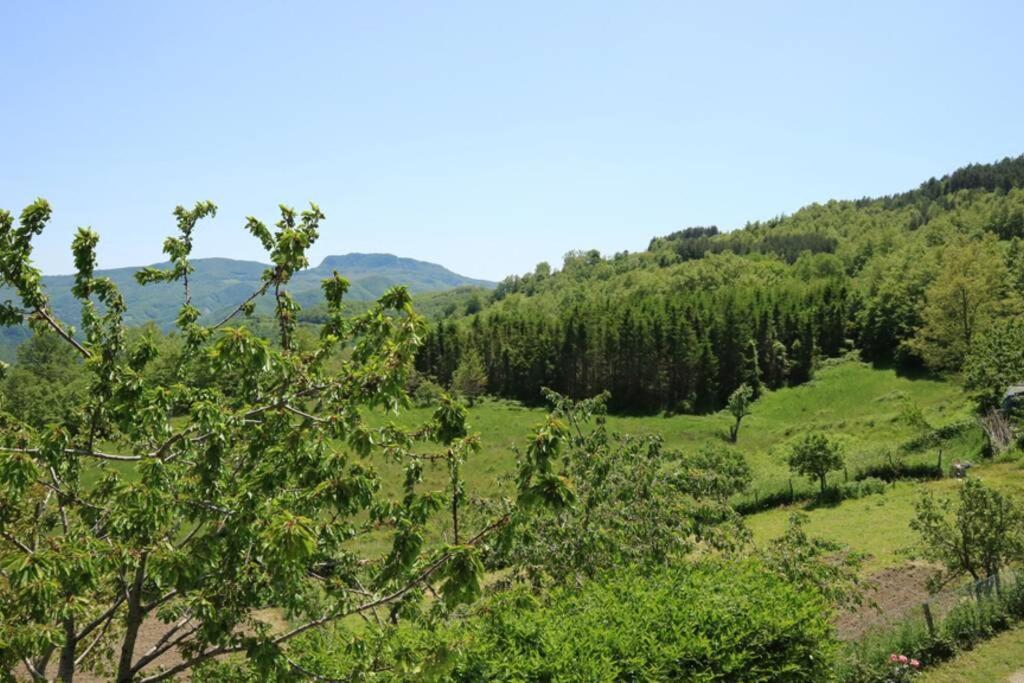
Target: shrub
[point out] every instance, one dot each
(767, 500)
(900, 470)
(427, 393)
(859, 489)
(713, 621)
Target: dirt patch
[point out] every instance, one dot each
(894, 594)
(152, 632)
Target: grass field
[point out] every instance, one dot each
(857, 403)
(879, 525)
(853, 401)
(995, 661)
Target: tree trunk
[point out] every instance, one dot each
(66, 668)
(132, 623)
(822, 480)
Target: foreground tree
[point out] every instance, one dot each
(238, 477)
(977, 537)
(815, 456)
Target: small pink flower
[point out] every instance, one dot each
(903, 659)
(914, 663)
(894, 657)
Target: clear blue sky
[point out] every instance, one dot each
(487, 136)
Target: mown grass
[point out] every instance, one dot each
(993, 661)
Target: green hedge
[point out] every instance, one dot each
(712, 622)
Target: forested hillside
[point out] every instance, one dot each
(911, 278)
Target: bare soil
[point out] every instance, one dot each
(894, 594)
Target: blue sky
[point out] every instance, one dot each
(487, 136)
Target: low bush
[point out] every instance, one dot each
(938, 435)
(426, 392)
(889, 472)
(711, 622)
(761, 500)
(860, 488)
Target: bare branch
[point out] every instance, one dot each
(77, 451)
(300, 413)
(258, 293)
(165, 643)
(96, 640)
(100, 619)
(59, 329)
(35, 673)
(21, 546)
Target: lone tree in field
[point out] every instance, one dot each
(237, 477)
(739, 407)
(815, 456)
(978, 536)
(470, 378)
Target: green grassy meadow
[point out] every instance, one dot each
(879, 525)
(851, 400)
(854, 401)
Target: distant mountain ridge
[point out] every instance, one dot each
(220, 284)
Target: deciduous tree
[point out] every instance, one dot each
(978, 535)
(166, 498)
(815, 456)
(739, 407)
(961, 301)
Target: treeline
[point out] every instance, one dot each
(912, 279)
(695, 243)
(682, 353)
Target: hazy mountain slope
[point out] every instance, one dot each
(219, 284)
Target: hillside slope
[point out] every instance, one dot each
(219, 284)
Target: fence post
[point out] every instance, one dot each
(928, 619)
